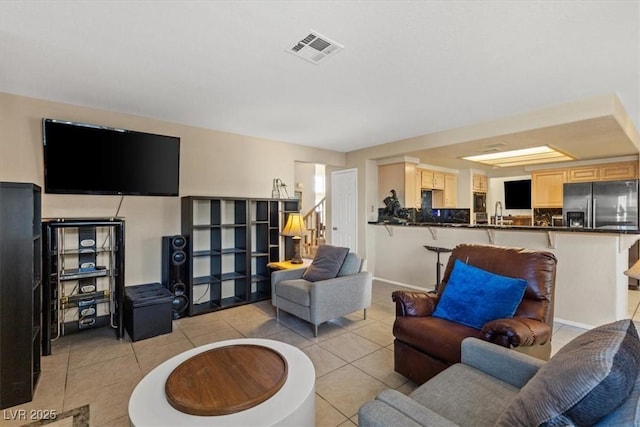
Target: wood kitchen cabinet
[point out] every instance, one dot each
(448, 196)
(426, 178)
(546, 188)
(546, 185)
(432, 180)
(583, 174)
(613, 171)
(480, 183)
(603, 172)
(418, 188)
(438, 180)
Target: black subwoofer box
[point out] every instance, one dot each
(147, 311)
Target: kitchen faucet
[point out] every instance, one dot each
(495, 213)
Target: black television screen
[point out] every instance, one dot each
(517, 194)
(81, 158)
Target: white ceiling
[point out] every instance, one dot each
(408, 67)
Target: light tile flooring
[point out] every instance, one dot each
(353, 359)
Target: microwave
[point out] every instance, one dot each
(479, 202)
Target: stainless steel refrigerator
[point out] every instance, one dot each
(603, 204)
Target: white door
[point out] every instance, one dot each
(344, 209)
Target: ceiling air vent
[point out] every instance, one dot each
(315, 48)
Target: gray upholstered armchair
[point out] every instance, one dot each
(311, 296)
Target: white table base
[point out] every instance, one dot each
(292, 405)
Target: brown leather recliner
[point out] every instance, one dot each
(425, 345)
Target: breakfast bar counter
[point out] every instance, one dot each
(591, 288)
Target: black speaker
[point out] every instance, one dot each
(175, 272)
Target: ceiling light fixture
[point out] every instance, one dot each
(525, 156)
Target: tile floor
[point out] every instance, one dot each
(353, 359)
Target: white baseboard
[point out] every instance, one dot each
(419, 288)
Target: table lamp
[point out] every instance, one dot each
(296, 229)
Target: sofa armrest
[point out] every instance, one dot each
(499, 362)
(392, 408)
(415, 304)
(516, 331)
(282, 275)
(344, 294)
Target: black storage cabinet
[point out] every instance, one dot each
(147, 311)
(20, 293)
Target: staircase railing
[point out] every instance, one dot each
(314, 221)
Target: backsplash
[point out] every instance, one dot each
(542, 217)
(412, 215)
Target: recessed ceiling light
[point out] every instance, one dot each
(525, 156)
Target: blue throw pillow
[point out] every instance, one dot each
(474, 296)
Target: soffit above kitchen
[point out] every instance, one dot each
(585, 140)
(406, 68)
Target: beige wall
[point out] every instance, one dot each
(212, 163)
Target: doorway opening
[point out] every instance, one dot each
(310, 189)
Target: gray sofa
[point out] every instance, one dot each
(322, 300)
(592, 381)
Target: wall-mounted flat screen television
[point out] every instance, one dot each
(81, 158)
(517, 194)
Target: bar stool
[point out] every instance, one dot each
(438, 250)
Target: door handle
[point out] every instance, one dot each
(334, 228)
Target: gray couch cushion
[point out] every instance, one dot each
(584, 381)
(326, 263)
(296, 290)
(352, 265)
(462, 393)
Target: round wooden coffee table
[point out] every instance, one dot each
(226, 380)
(286, 397)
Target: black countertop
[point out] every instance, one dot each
(609, 229)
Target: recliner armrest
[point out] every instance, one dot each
(517, 331)
(415, 304)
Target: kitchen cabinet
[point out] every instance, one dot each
(438, 180)
(615, 171)
(432, 180)
(603, 172)
(480, 183)
(583, 174)
(426, 179)
(447, 197)
(546, 188)
(418, 188)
